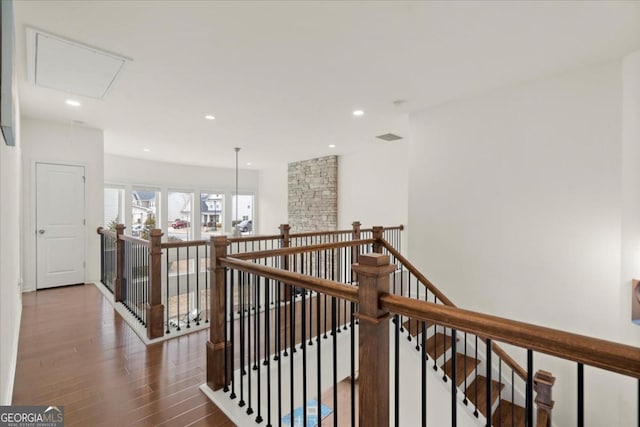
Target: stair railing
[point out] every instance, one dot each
(373, 303)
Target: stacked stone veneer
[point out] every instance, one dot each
(313, 194)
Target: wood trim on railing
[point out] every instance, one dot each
(136, 240)
(611, 356)
(106, 232)
(329, 287)
(184, 244)
(301, 249)
(519, 370)
(413, 270)
(253, 238)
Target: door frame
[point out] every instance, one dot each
(31, 228)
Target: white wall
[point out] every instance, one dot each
(273, 199)
(10, 265)
(166, 177)
(64, 144)
(515, 209)
(630, 267)
(373, 186)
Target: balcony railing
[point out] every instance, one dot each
(166, 285)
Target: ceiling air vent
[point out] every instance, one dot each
(389, 137)
(69, 66)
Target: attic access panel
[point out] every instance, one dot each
(71, 67)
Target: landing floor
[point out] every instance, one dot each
(76, 351)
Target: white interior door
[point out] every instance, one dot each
(60, 225)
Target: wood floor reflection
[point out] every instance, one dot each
(76, 351)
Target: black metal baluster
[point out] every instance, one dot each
(292, 349)
(267, 350)
(353, 367)
(465, 400)
(529, 395)
(226, 333)
(319, 364)
(278, 349)
(454, 389)
(580, 395)
(188, 290)
(232, 322)
(475, 382)
(206, 283)
(248, 335)
(396, 367)
(489, 400)
(335, 360)
(256, 347)
(444, 351)
(241, 283)
(423, 369)
(198, 267)
(303, 347)
(499, 390)
(178, 289)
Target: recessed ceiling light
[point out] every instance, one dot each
(209, 117)
(248, 163)
(332, 145)
(358, 113)
(146, 150)
(72, 102)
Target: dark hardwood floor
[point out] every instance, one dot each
(76, 351)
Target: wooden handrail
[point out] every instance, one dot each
(184, 244)
(519, 370)
(413, 270)
(329, 287)
(301, 249)
(620, 358)
(106, 232)
(137, 240)
(253, 238)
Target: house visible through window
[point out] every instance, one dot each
(211, 214)
(144, 212)
(244, 218)
(180, 214)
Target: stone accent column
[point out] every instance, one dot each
(313, 194)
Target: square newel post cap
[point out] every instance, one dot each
(374, 259)
(373, 265)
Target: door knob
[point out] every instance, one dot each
(41, 231)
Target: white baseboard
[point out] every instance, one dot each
(8, 395)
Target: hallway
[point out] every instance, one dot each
(76, 351)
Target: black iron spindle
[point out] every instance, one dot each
(454, 389)
(489, 400)
(529, 395)
(580, 395)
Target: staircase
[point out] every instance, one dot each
(469, 378)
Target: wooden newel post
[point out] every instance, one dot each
(378, 234)
(285, 242)
(355, 250)
(373, 271)
(117, 287)
(216, 364)
(155, 308)
(542, 383)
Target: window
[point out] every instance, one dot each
(180, 209)
(244, 219)
(113, 207)
(211, 210)
(145, 205)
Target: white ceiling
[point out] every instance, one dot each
(282, 78)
